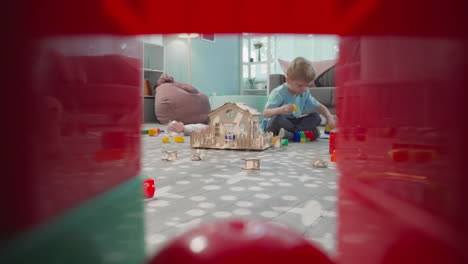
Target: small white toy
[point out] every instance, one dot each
(320, 164)
(197, 155)
(279, 138)
(171, 155)
(252, 164)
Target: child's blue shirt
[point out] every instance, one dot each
(281, 96)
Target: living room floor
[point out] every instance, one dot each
(286, 190)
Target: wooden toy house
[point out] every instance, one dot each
(233, 126)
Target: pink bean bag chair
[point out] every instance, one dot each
(180, 102)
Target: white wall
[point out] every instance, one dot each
(312, 47)
(153, 39)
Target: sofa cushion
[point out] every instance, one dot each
(326, 79)
(180, 102)
(323, 94)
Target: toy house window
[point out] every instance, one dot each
(230, 114)
(228, 128)
(254, 129)
(242, 129)
(217, 129)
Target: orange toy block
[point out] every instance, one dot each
(152, 132)
(333, 156)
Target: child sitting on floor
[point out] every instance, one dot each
(287, 102)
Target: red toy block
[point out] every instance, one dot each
(149, 188)
(331, 146)
(103, 155)
(399, 155)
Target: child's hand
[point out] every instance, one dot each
(287, 109)
(331, 123)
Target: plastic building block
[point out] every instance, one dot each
(327, 130)
(331, 146)
(294, 108)
(166, 139)
(309, 136)
(284, 142)
(333, 156)
(399, 155)
(179, 139)
(307, 139)
(153, 132)
(149, 188)
(303, 140)
(103, 155)
(144, 131)
(302, 134)
(297, 137)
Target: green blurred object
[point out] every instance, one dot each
(106, 229)
(302, 134)
(307, 139)
(146, 131)
(284, 142)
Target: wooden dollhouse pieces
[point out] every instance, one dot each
(233, 126)
(251, 164)
(171, 155)
(197, 155)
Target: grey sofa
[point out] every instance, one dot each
(324, 91)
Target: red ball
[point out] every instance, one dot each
(148, 188)
(240, 241)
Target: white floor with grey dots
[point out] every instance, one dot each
(287, 189)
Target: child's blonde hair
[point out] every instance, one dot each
(301, 69)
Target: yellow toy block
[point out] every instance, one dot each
(273, 140)
(294, 108)
(166, 139)
(178, 139)
(303, 140)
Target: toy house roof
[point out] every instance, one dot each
(241, 106)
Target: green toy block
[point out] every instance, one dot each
(302, 134)
(284, 142)
(307, 139)
(145, 131)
